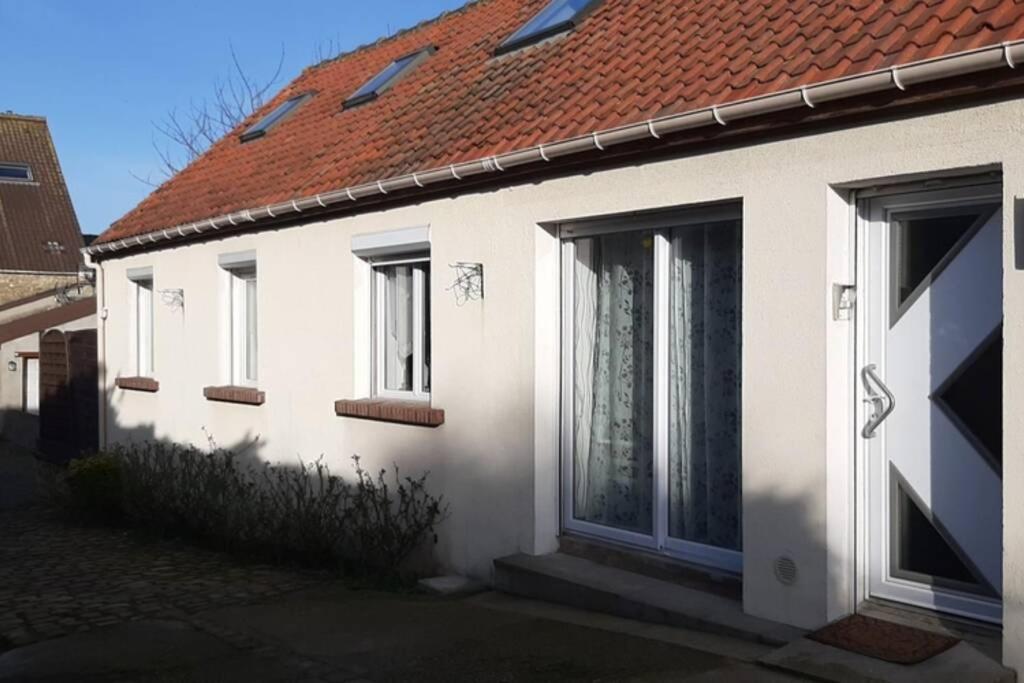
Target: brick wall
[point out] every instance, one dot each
(14, 286)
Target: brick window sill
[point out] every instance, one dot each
(390, 410)
(147, 384)
(229, 394)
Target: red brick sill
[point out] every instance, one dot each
(147, 384)
(390, 410)
(229, 394)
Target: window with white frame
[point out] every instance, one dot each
(142, 322)
(401, 326)
(243, 350)
(144, 328)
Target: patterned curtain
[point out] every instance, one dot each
(704, 378)
(398, 342)
(614, 321)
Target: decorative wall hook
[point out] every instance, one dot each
(173, 298)
(469, 282)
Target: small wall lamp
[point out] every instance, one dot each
(12, 365)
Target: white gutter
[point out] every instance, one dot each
(902, 77)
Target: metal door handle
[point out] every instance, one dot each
(883, 405)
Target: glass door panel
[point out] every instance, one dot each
(651, 386)
(705, 295)
(614, 381)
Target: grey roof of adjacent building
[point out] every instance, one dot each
(38, 228)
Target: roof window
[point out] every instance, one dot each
(391, 74)
(558, 16)
(280, 112)
(15, 172)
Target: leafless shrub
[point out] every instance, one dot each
(299, 513)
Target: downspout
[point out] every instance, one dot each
(101, 319)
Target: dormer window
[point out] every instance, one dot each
(391, 74)
(557, 17)
(15, 173)
(280, 112)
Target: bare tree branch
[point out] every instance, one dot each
(183, 135)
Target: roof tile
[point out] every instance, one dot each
(629, 60)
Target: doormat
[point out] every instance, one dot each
(883, 640)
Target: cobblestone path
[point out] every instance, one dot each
(58, 578)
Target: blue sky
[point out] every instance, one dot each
(102, 71)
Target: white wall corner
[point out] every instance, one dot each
(546, 370)
(1013, 414)
(840, 527)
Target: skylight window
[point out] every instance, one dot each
(557, 17)
(391, 74)
(260, 128)
(15, 172)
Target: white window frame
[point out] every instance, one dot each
(421, 293)
(239, 269)
(144, 361)
(242, 327)
(143, 325)
(659, 224)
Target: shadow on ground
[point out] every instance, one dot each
(333, 634)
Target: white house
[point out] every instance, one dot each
(735, 285)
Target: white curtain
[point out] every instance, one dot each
(398, 328)
(614, 321)
(704, 378)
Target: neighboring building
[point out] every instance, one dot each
(39, 235)
(40, 258)
(22, 324)
(595, 271)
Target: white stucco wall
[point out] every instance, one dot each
(495, 362)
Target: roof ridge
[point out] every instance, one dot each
(21, 117)
(396, 35)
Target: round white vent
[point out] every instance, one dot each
(785, 570)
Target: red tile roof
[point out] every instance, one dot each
(630, 60)
(38, 227)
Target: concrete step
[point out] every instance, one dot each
(588, 585)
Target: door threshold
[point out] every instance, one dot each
(651, 564)
(986, 637)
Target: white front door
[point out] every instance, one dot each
(929, 398)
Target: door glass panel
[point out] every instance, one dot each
(974, 399)
(922, 244)
(704, 384)
(613, 455)
(921, 549)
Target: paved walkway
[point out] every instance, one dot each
(57, 579)
(85, 603)
(82, 603)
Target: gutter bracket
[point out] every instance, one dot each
(896, 78)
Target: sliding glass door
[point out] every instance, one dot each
(614, 381)
(651, 383)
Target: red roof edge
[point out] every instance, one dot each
(902, 77)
